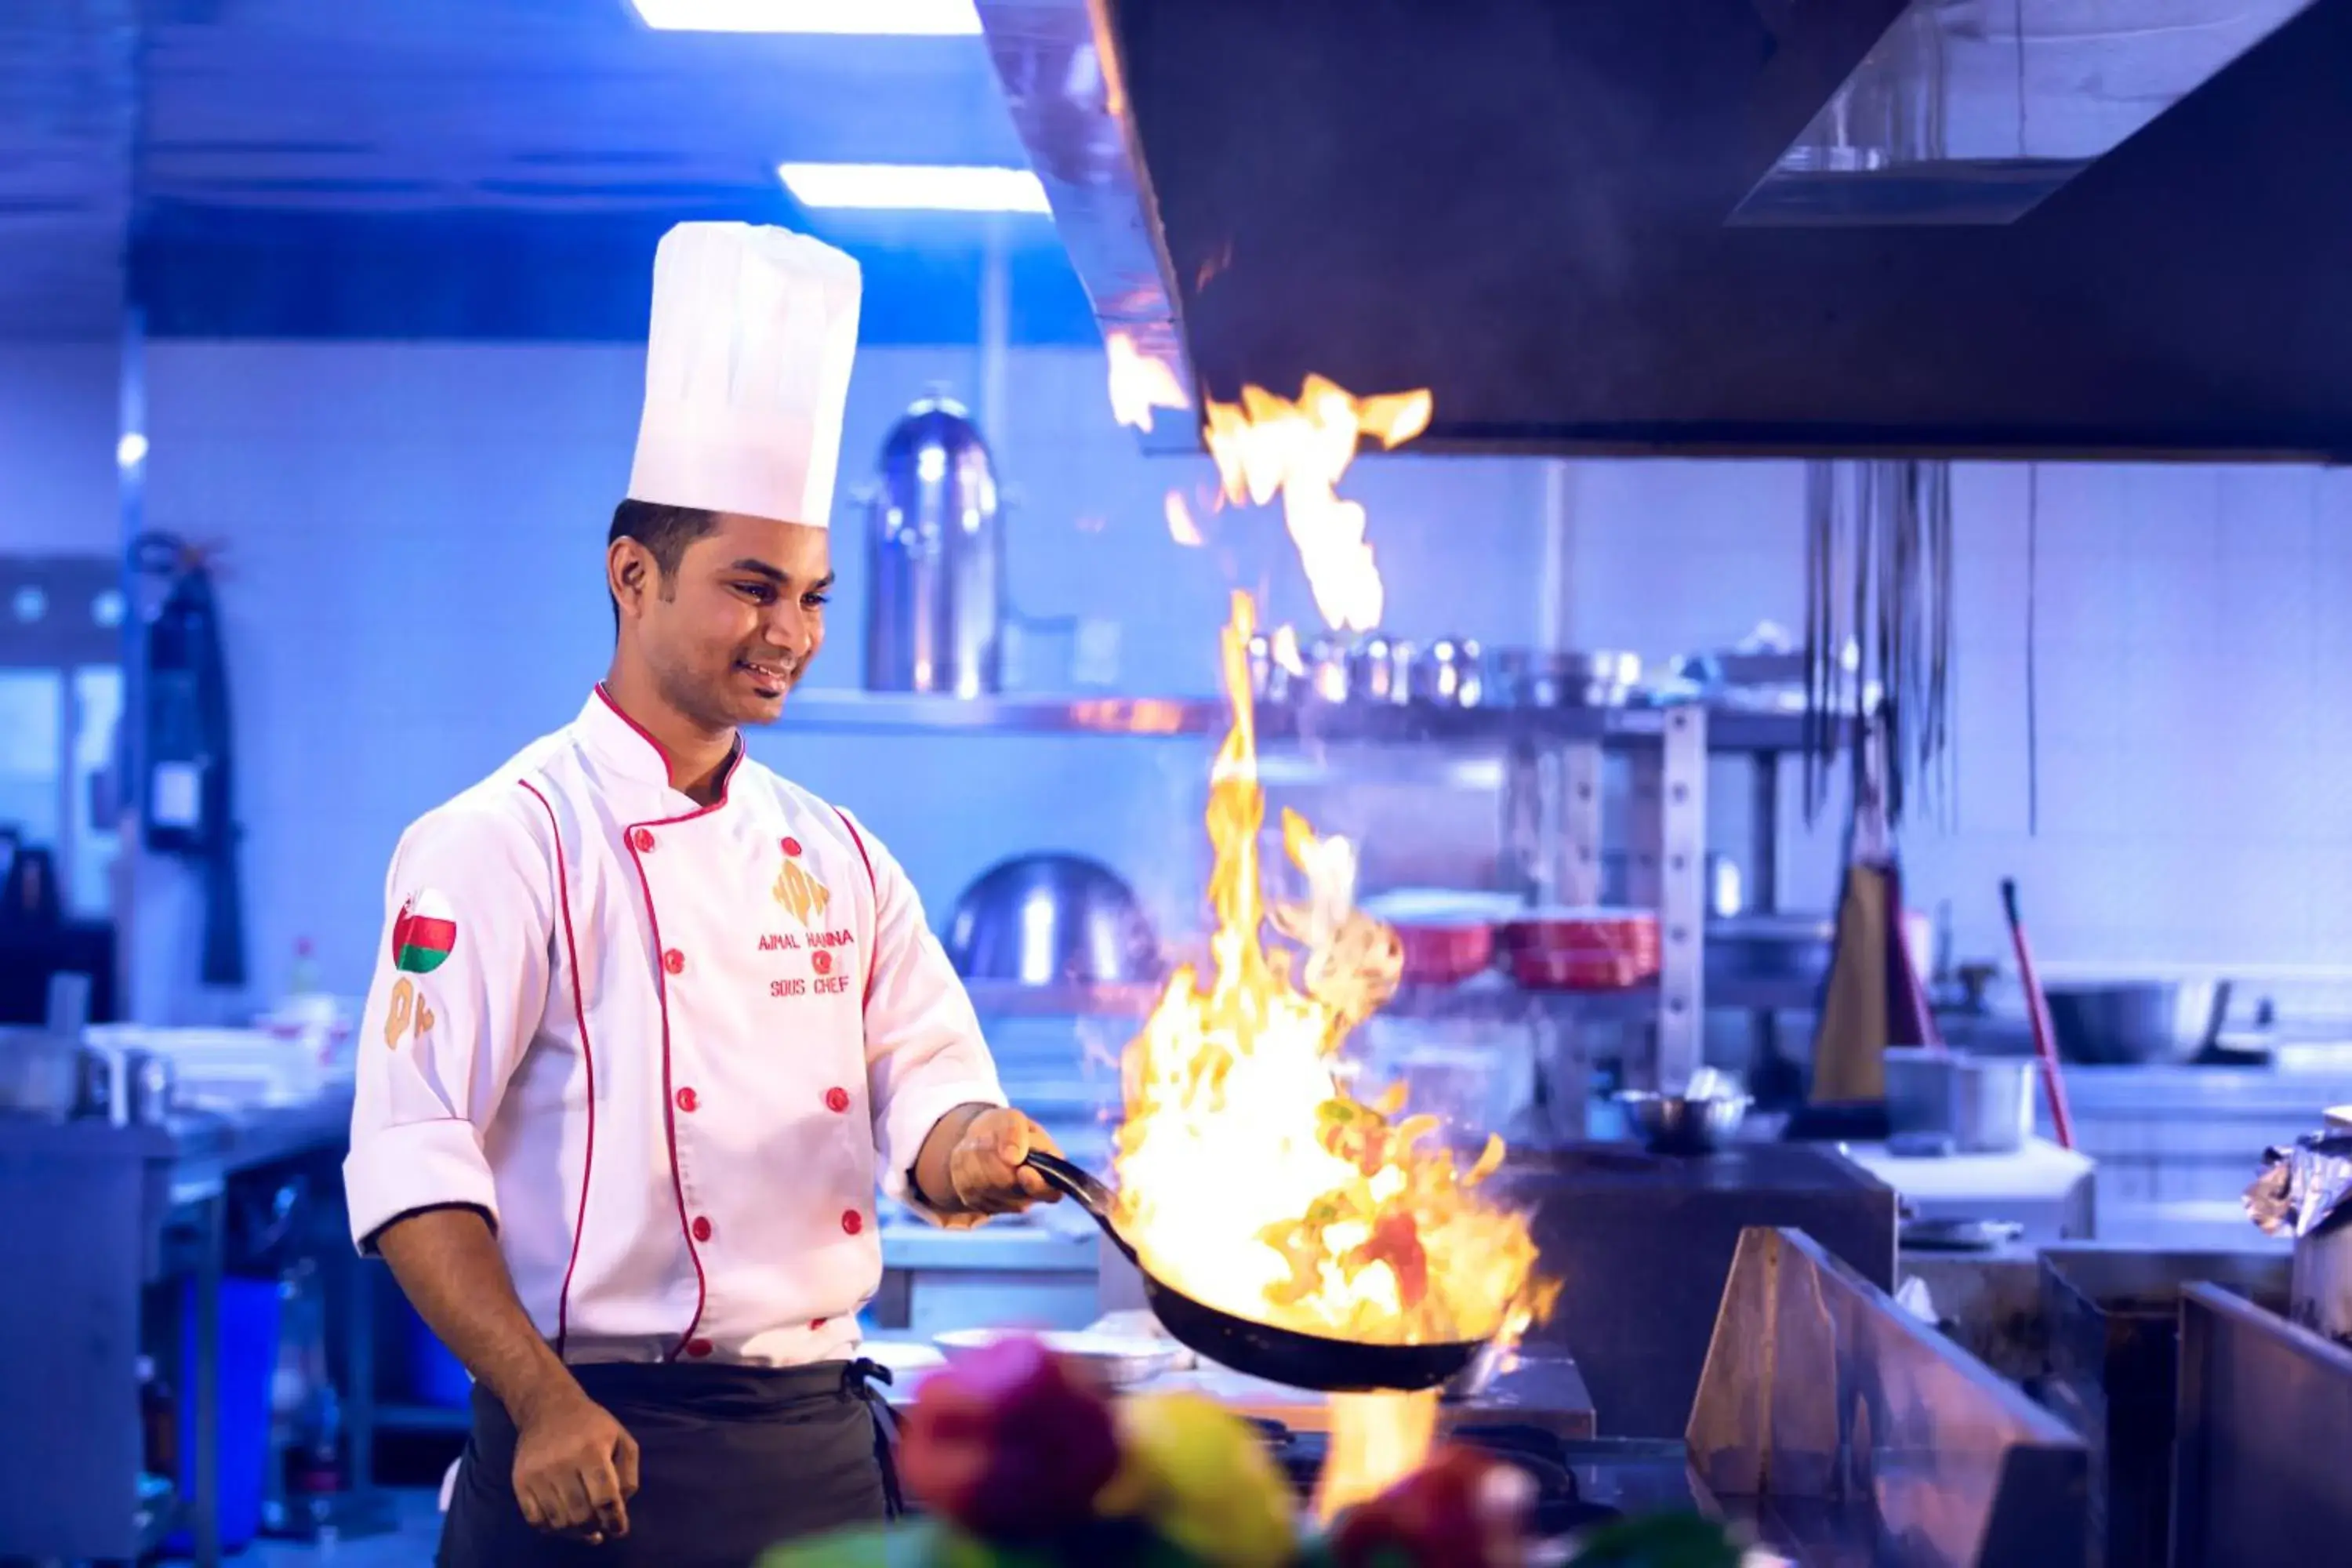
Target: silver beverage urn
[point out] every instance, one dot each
(935, 559)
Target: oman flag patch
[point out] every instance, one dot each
(423, 932)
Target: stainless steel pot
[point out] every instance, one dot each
(1545, 677)
(1046, 920)
(1788, 948)
(1984, 1104)
(2137, 1021)
(2320, 1293)
(1449, 673)
(1379, 669)
(935, 559)
(127, 1086)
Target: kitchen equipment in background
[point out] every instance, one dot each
(1939, 1234)
(1119, 1360)
(1552, 677)
(41, 1073)
(1449, 673)
(1984, 1105)
(1261, 1350)
(28, 889)
(127, 1086)
(1448, 936)
(1329, 675)
(935, 558)
(1379, 669)
(2136, 1022)
(234, 1069)
(1697, 1121)
(2037, 1007)
(1580, 949)
(1048, 919)
(1276, 672)
(2306, 1191)
(1789, 949)
(1727, 890)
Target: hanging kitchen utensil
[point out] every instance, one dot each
(1261, 1350)
(2037, 1005)
(1859, 1005)
(1878, 627)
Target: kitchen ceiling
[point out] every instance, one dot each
(1533, 209)
(475, 167)
(66, 118)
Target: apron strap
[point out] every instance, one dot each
(858, 1378)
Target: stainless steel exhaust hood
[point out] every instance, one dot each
(1722, 227)
(1975, 110)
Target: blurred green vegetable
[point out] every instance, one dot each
(1660, 1540)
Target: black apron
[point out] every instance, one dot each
(732, 1460)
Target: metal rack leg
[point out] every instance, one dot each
(1764, 877)
(1682, 897)
(1579, 877)
(204, 1510)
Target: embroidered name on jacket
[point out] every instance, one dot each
(788, 942)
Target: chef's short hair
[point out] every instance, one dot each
(664, 530)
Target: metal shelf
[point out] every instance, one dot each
(1486, 998)
(1730, 728)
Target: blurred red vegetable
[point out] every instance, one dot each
(1462, 1509)
(1008, 1442)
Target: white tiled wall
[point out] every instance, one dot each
(2191, 654)
(413, 591)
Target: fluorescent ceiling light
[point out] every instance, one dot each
(914, 187)
(893, 18)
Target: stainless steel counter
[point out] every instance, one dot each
(97, 1214)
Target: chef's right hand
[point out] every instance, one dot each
(576, 1467)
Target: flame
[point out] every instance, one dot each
(1139, 384)
(1180, 526)
(1266, 446)
(1249, 1178)
(1376, 1440)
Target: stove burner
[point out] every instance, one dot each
(1559, 1505)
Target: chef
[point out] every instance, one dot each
(651, 1023)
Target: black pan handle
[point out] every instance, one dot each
(1089, 1193)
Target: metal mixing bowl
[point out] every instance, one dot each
(2138, 1021)
(1684, 1123)
(1052, 919)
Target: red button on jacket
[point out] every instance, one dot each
(701, 1229)
(642, 840)
(686, 1101)
(698, 1348)
(836, 1100)
(674, 961)
(792, 845)
(852, 1221)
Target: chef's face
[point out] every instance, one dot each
(730, 633)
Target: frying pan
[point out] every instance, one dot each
(1261, 1350)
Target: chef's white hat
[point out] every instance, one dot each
(746, 372)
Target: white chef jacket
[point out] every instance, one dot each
(668, 1049)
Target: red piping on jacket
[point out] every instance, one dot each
(726, 776)
(587, 1060)
(661, 989)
